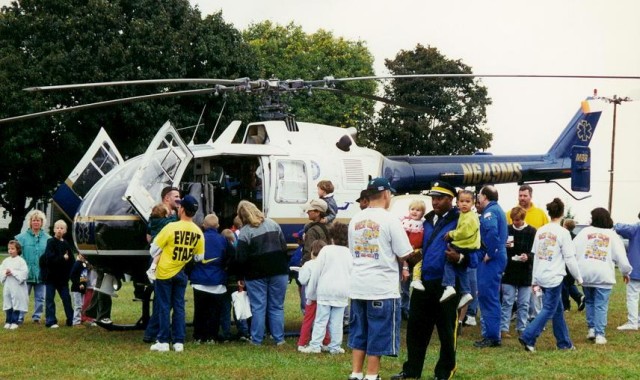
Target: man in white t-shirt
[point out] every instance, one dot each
(378, 243)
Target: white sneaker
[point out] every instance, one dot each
(449, 292)
(323, 348)
(13, 326)
(470, 321)
(337, 351)
(54, 326)
(591, 334)
(160, 347)
(464, 300)
(7, 326)
(628, 326)
(309, 350)
(416, 284)
(600, 339)
(178, 347)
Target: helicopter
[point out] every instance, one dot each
(275, 164)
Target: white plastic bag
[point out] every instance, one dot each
(241, 305)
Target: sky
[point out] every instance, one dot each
(569, 37)
(573, 37)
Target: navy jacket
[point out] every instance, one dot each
(434, 245)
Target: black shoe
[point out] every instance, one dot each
(581, 305)
(526, 346)
(487, 343)
(401, 376)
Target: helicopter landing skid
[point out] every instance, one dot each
(142, 322)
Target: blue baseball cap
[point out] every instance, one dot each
(379, 184)
(189, 203)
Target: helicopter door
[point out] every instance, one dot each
(101, 157)
(163, 164)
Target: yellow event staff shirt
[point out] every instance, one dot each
(535, 217)
(179, 241)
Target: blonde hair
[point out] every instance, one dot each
(61, 223)
(418, 204)
(159, 211)
(211, 221)
(229, 235)
(36, 214)
(250, 214)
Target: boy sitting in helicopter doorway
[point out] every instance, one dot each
(325, 192)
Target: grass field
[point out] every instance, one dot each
(34, 352)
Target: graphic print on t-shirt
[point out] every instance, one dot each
(366, 239)
(548, 240)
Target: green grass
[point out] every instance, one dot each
(33, 352)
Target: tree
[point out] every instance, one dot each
(49, 42)
(456, 108)
(287, 52)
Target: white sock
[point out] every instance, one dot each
(357, 375)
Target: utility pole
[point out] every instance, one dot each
(616, 101)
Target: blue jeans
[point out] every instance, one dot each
(596, 306)
(449, 279)
(472, 309)
(551, 309)
(50, 312)
(266, 296)
(13, 316)
(151, 332)
(332, 317)
(508, 298)
(225, 320)
(38, 294)
(170, 295)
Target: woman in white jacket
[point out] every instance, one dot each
(599, 249)
(553, 250)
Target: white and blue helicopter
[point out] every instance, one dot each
(275, 164)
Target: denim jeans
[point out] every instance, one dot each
(39, 291)
(596, 306)
(50, 312)
(76, 298)
(151, 331)
(551, 309)
(330, 316)
(170, 295)
(13, 316)
(266, 296)
(509, 294)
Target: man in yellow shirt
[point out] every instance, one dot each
(536, 217)
(179, 242)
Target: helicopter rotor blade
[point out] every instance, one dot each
(114, 102)
(409, 76)
(411, 107)
(222, 82)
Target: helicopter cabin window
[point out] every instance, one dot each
(256, 134)
(102, 162)
(291, 186)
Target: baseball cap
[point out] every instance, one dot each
(363, 194)
(379, 184)
(439, 188)
(316, 204)
(189, 203)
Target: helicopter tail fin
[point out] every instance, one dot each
(578, 132)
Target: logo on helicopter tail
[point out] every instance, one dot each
(475, 174)
(584, 131)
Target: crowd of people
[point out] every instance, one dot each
(466, 257)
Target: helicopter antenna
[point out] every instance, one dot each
(217, 121)
(193, 137)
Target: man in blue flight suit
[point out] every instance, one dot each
(493, 232)
(427, 312)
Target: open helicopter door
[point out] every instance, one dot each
(163, 164)
(101, 157)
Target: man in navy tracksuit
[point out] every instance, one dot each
(493, 232)
(426, 311)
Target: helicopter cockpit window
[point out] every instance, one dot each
(256, 134)
(102, 162)
(291, 185)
